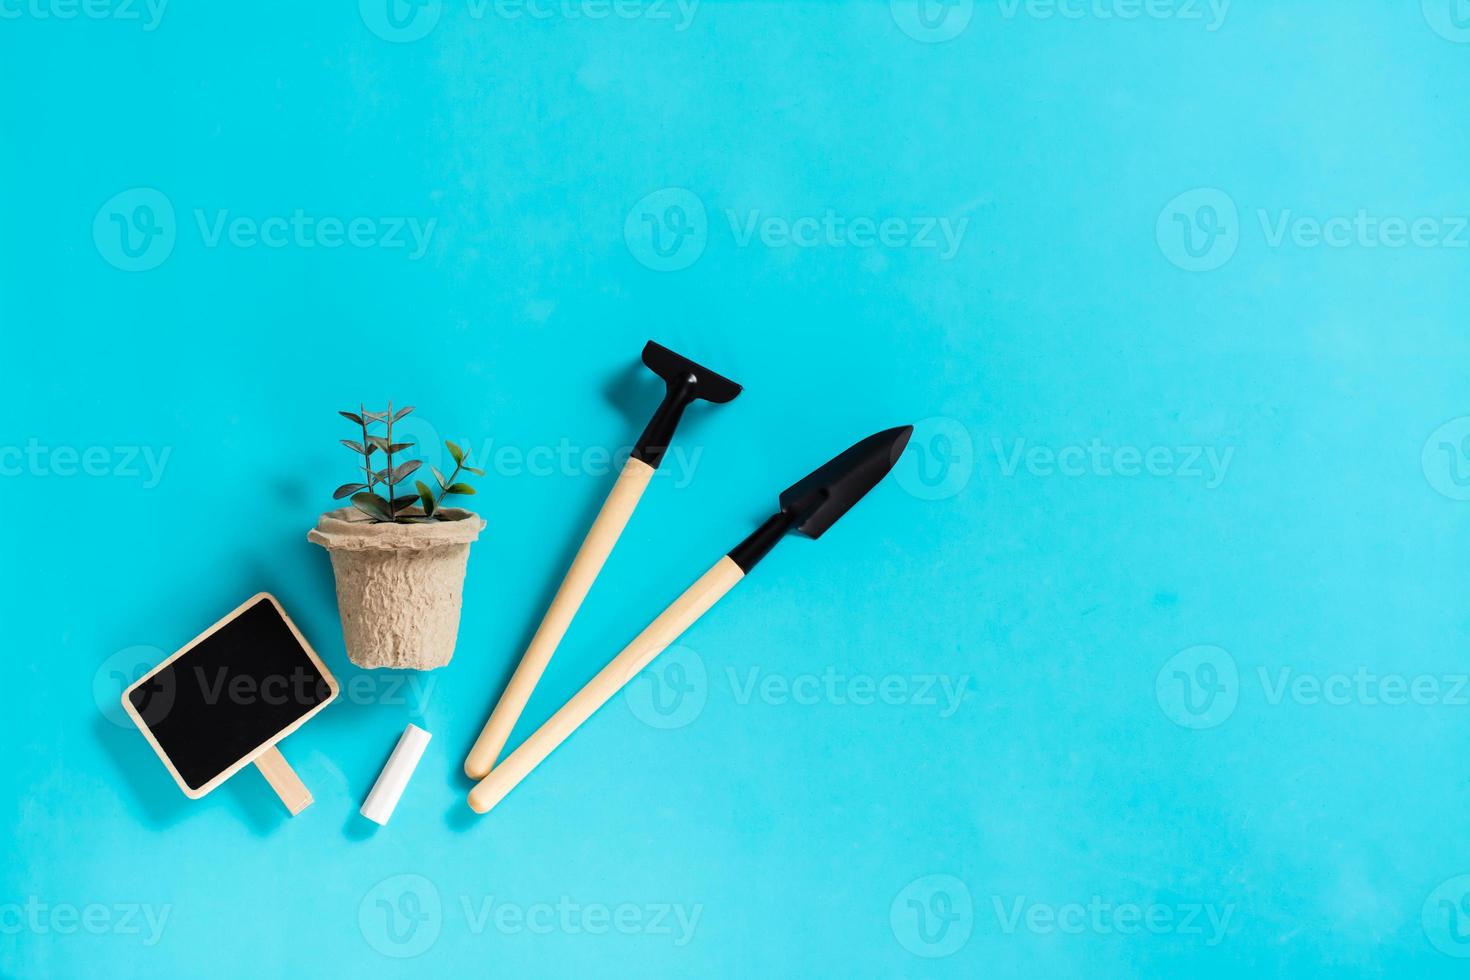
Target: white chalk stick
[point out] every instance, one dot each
(385, 793)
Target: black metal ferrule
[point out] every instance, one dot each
(659, 432)
(750, 551)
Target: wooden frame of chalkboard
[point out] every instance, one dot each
(264, 755)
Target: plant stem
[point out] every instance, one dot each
(445, 489)
(367, 457)
(391, 512)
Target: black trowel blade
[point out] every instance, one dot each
(820, 498)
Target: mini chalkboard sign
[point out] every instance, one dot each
(226, 699)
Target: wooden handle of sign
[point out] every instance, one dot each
(694, 603)
(598, 544)
(283, 779)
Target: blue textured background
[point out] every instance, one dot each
(1125, 787)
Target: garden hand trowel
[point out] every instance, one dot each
(686, 382)
(810, 506)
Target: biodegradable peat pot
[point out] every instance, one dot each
(398, 585)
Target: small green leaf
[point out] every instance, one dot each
(463, 488)
(375, 416)
(351, 417)
(439, 476)
(401, 413)
(346, 489)
(455, 451)
(399, 447)
(474, 469)
(356, 447)
(426, 495)
(402, 470)
(380, 443)
(408, 500)
(381, 476)
(372, 505)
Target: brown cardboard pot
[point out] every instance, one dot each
(398, 585)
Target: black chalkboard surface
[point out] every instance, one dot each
(232, 692)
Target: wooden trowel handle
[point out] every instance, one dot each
(283, 779)
(694, 603)
(598, 544)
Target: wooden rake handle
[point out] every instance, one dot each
(611, 519)
(694, 603)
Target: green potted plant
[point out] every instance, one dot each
(399, 558)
